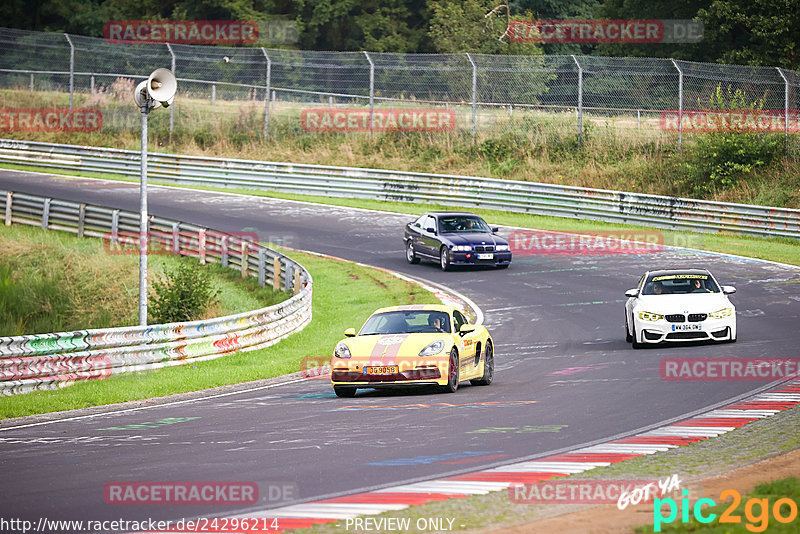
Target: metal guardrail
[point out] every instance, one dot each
(509, 195)
(50, 361)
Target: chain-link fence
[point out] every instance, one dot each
(267, 89)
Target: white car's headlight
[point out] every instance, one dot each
(341, 351)
(434, 348)
(721, 314)
(461, 248)
(647, 316)
(502, 248)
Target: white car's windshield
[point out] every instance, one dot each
(407, 322)
(678, 284)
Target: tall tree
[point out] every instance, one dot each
(557, 10)
(755, 32)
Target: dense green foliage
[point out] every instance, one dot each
(185, 293)
(755, 32)
(717, 160)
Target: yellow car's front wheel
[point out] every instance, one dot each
(452, 373)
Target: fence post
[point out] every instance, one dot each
(71, 70)
(213, 93)
(680, 102)
(31, 83)
(785, 107)
(371, 92)
(580, 98)
(266, 95)
(474, 94)
(172, 107)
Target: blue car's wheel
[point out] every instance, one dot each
(444, 259)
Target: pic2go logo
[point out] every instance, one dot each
(756, 511)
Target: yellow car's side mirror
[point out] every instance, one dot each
(350, 332)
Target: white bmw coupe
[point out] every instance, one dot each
(679, 305)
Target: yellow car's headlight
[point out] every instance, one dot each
(434, 348)
(721, 314)
(647, 316)
(342, 351)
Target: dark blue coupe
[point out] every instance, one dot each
(455, 238)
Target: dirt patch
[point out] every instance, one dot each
(607, 519)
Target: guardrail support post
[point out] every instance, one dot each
(223, 255)
(287, 281)
(580, 98)
(296, 284)
(172, 107)
(262, 266)
(81, 219)
(371, 92)
(201, 246)
(71, 70)
(266, 95)
(9, 200)
(245, 257)
(680, 102)
(46, 213)
(114, 225)
(785, 108)
(276, 274)
(474, 95)
(175, 238)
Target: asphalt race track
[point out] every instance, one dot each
(565, 375)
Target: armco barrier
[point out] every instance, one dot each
(509, 195)
(49, 361)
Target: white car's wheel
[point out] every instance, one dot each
(635, 339)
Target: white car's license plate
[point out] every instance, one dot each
(676, 327)
(485, 256)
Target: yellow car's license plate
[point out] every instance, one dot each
(381, 370)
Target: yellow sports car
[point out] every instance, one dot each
(418, 345)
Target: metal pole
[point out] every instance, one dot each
(71, 70)
(785, 107)
(371, 92)
(474, 94)
(143, 224)
(580, 98)
(31, 83)
(91, 85)
(172, 107)
(213, 93)
(266, 95)
(680, 103)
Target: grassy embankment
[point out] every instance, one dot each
(72, 283)
(531, 146)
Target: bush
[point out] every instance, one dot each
(185, 293)
(718, 159)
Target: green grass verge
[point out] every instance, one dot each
(54, 281)
(369, 289)
(528, 145)
(784, 250)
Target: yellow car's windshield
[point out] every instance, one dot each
(407, 322)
